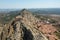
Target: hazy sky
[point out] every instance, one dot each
(29, 3)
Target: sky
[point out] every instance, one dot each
(9, 4)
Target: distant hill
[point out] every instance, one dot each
(7, 10)
(36, 10)
(46, 11)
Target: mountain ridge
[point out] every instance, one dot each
(22, 27)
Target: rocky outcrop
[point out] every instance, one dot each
(23, 27)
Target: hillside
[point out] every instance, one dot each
(22, 28)
(26, 26)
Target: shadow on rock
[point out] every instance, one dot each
(27, 34)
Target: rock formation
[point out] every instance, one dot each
(22, 27)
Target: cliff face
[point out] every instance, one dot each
(23, 27)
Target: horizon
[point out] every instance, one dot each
(20, 4)
(28, 8)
